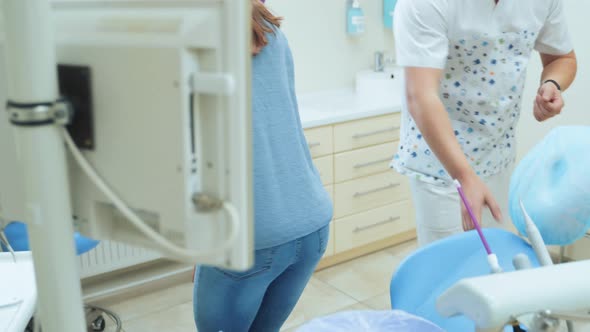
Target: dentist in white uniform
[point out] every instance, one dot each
(465, 67)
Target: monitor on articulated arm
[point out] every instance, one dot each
(160, 91)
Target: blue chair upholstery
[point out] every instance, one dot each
(18, 237)
(16, 233)
(423, 276)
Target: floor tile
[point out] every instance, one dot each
(318, 299)
(151, 302)
(176, 319)
(361, 284)
(379, 302)
(362, 278)
(404, 249)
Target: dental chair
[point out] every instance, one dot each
(423, 276)
(17, 236)
(553, 183)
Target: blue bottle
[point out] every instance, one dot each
(355, 19)
(388, 8)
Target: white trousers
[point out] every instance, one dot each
(438, 209)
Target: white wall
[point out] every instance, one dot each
(577, 110)
(325, 56)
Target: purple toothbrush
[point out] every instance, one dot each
(492, 258)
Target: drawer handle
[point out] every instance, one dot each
(372, 191)
(384, 222)
(376, 132)
(371, 163)
(314, 144)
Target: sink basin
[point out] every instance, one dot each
(375, 89)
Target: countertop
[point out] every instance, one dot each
(18, 293)
(330, 107)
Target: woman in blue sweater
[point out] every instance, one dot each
(292, 210)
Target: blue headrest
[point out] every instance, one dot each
(16, 233)
(553, 181)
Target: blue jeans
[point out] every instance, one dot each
(262, 298)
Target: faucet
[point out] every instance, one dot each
(378, 65)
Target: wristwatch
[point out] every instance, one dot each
(555, 83)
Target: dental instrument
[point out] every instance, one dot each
(492, 258)
(4, 241)
(539, 247)
(521, 262)
(536, 239)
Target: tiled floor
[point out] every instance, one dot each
(361, 284)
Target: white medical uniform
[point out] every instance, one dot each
(483, 50)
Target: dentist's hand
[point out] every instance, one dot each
(478, 196)
(548, 102)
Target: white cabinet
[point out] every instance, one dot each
(320, 141)
(366, 132)
(372, 206)
(330, 248)
(373, 225)
(325, 166)
(362, 162)
(370, 192)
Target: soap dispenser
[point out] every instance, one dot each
(388, 8)
(355, 19)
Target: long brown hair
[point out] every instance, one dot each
(262, 23)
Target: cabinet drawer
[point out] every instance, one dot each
(330, 247)
(369, 192)
(330, 190)
(361, 133)
(325, 166)
(320, 141)
(374, 225)
(580, 250)
(358, 163)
